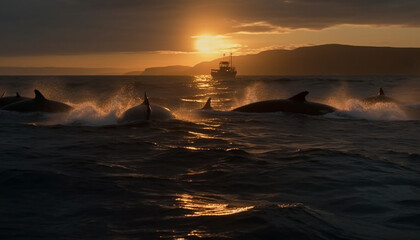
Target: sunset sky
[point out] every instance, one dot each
(134, 34)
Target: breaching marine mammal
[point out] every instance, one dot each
(38, 104)
(4, 101)
(380, 98)
(295, 104)
(145, 111)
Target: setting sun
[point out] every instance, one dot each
(214, 44)
(220, 119)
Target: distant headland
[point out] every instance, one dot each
(331, 59)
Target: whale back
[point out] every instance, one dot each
(4, 101)
(38, 104)
(144, 112)
(295, 104)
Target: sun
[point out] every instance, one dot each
(211, 44)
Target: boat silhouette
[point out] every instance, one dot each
(226, 70)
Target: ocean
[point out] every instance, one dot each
(351, 174)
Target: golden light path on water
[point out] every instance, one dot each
(201, 135)
(201, 207)
(206, 86)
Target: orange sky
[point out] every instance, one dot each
(133, 35)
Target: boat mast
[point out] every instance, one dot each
(231, 61)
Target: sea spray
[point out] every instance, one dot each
(160, 180)
(92, 113)
(258, 92)
(89, 114)
(355, 109)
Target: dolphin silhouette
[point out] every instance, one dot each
(295, 104)
(207, 106)
(145, 111)
(38, 104)
(380, 98)
(4, 101)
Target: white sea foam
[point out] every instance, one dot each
(355, 109)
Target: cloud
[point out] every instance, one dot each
(31, 27)
(318, 14)
(258, 28)
(71, 26)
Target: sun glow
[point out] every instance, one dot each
(212, 44)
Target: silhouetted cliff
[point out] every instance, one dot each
(329, 59)
(169, 70)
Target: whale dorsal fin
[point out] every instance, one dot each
(149, 109)
(300, 97)
(38, 95)
(146, 100)
(17, 95)
(381, 92)
(207, 106)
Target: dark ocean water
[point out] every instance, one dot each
(353, 174)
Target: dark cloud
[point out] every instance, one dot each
(324, 13)
(258, 27)
(70, 26)
(31, 27)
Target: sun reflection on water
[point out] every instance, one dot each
(201, 135)
(205, 82)
(206, 86)
(201, 207)
(195, 148)
(199, 234)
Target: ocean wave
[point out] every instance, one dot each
(354, 109)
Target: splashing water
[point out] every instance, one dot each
(259, 92)
(224, 175)
(89, 114)
(92, 113)
(353, 108)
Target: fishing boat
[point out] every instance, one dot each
(226, 70)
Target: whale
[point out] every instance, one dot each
(207, 106)
(295, 104)
(144, 112)
(380, 98)
(38, 104)
(11, 99)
